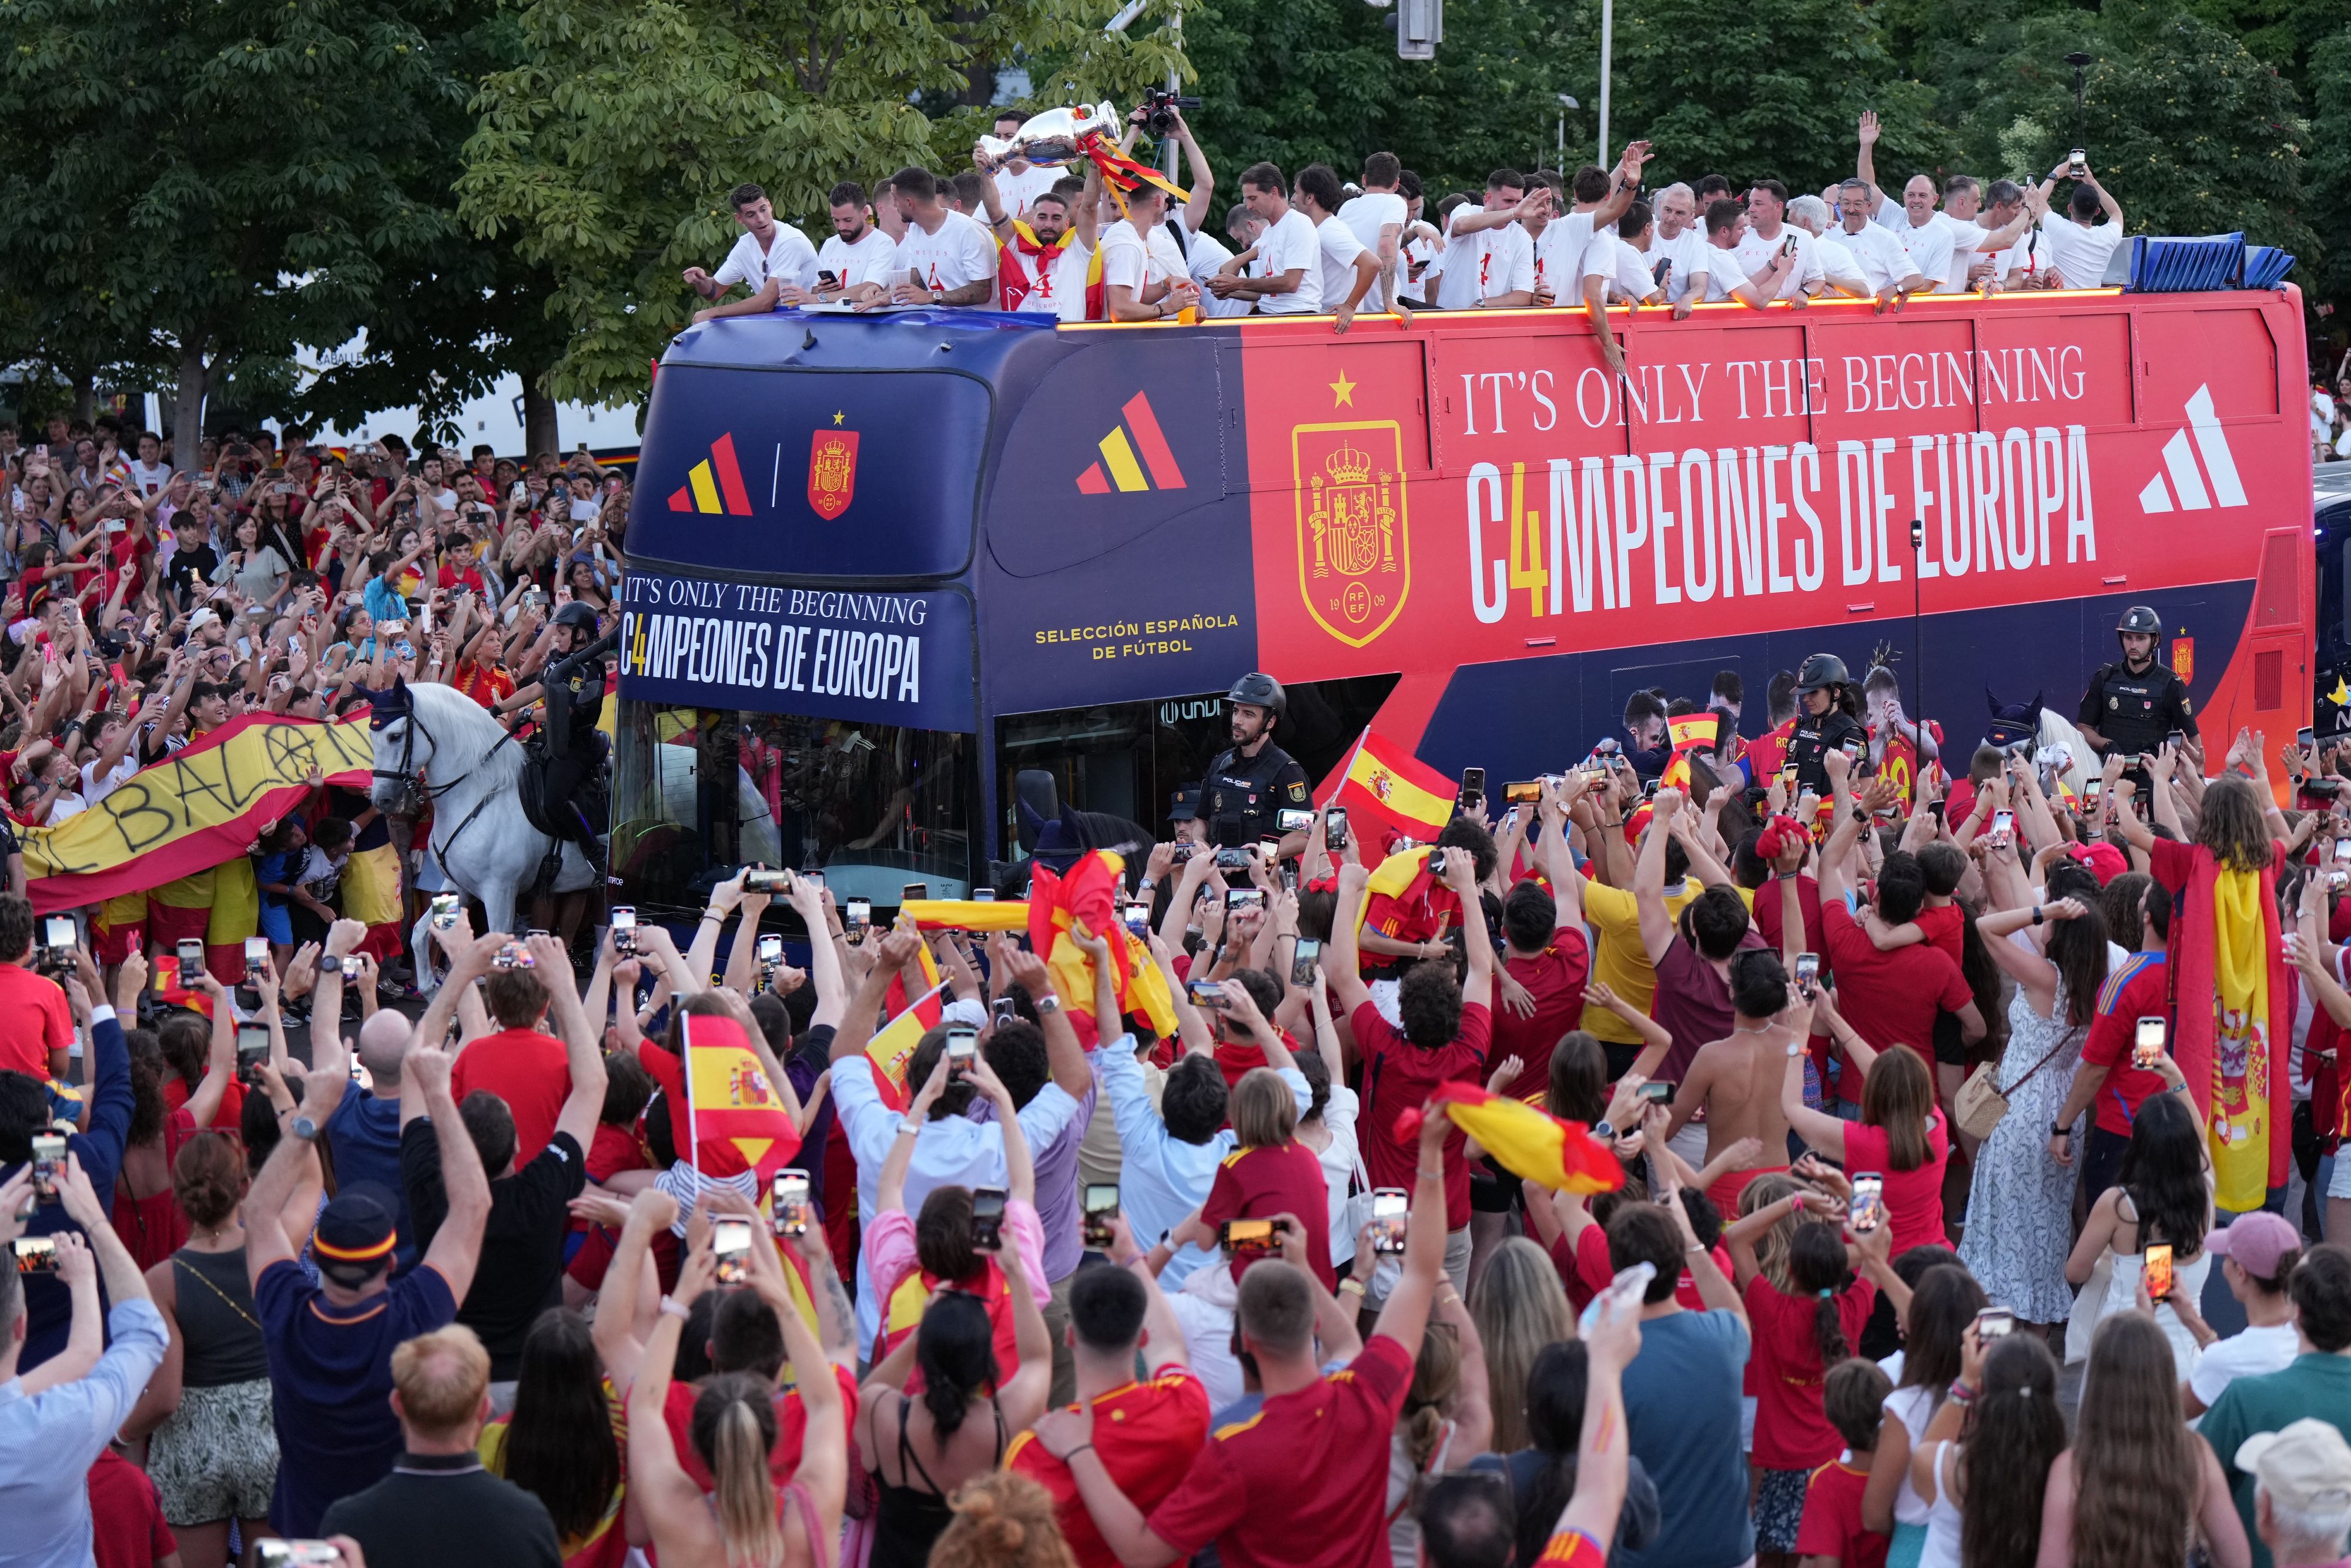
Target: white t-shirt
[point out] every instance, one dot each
(1292, 246)
(1755, 252)
(1204, 257)
(1931, 246)
(1339, 248)
(1506, 262)
(2080, 255)
(788, 256)
(2246, 1354)
(1168, 259)
(1723, 272)
(1070, 281)
(1838, 264)
(1126, 258)
(1558, 256)
(1457, 269)
(1017, 191)
(1365, 216)
(960, 253)
(67, 805)
(1623, 270)
(867, 261)
(95, 788)
(1689, 253)
(1423, 254)
(1878, 254)
(147, 480)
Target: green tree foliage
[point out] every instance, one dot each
(1303, 82)
(192, 186)
(2329, 170)
(605, 154)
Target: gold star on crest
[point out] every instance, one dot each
(1343, 392)
(840, 416)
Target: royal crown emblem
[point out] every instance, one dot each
(1354, 564)
(831, 472)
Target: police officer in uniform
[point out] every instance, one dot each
(573, 686)
(1245, 785)
(1827, 719)
(2132, 706)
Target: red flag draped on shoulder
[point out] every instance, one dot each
(735, 1120)
(1388, 791)
(1529, 1144)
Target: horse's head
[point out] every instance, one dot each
(2013, 723)
(403, 749)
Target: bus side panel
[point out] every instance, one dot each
(1723, 492)
(1115, 562)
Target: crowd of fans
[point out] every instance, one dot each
(458, 1288)
(1007, 234)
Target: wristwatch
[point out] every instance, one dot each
(2059, 1130)
(1048, 1003)
(304, 1128)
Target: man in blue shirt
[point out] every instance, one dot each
(53, 1424)
(330, 1345)
(364, 1131)
(24, 1112)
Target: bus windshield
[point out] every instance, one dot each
(699, 791)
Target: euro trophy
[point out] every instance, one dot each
(1055, 138)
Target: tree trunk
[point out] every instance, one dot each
(85, 396)
(538, 428)
(188, 411)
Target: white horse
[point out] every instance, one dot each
(435, 740)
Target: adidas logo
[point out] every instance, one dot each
(1118, 455)
(2187, 483)
(715, 476)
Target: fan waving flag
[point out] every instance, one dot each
(1532, 1145)
(1693, 732)
(736, 1121)
(892, 1046)
(1090, 893)
(1384, 786)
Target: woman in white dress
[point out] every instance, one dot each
(2021, 1202)
(2163, 1196)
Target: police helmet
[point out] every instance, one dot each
(1258, 690)
(1822, 670)
(2140, 618)
(577, 616)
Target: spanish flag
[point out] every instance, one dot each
(892, 1046)
(1384, 786)
(736, 1121)
(1529, 1144)
(1400, 877)
(1693, 732)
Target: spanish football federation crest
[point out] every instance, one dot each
(1355, 554)
(832, 471)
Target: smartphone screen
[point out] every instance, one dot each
(1391, 1207)
(790, 1202)
(771, 949)
(2343, 849)
(1302, 966)
(56, 931)
(1138, 919)
(1100, 1205)
(915, 890)
(1249, 1234)
(1808, 972)
(256, 953)
(2147, 1046)
(1867, 1207)
(963, 1046)
(1655, 1092)
(191, 960)
(857, 914)
(1994, 1322)
(1243, 897)
(2158, 1270)
(1204, 993)
(2003, 826)
(987, 1217)
(1294, 822)
(730, 1245)
(1334, 827)
(1526, 793)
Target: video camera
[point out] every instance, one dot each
(1159, 110)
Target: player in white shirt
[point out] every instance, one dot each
(855, 253)
(1136, 286)
(1617, 260)
(1244, 228)
(1892, 275)
(1290, 283)
(1377, 219)
(1766, 234)
(1725, 278)
(1598, 198)
(767, 256)
(1496, 268)
(1838, 269)
(1964, 202)
(946, 258)
(1350, 269)
(2077, 246)
(1680, 239)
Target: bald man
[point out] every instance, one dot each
(364, 1131)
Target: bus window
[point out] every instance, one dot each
(873, 807)
(1129, 759)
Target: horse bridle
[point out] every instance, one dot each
(415, 793)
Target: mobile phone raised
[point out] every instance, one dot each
(986, 1218)
(1248, 1236)
(789, 1202)
(1391, 1207)
(191, 960)
(730, 1246)
(963, 1049)
(1099, 1208)
(761, 879)
(1302, 964)
(2158, 1270)
(624, 931)
(1867, 1206)
(1994, 1322)
(1808, 974)
(2147, 1045)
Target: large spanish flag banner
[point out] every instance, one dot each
(196, 809)
(1384, 787)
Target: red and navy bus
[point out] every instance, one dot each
(882, 564)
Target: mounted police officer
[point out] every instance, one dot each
(1828, 718)
(572, 684)
(1246, 784)
(2132, 706)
